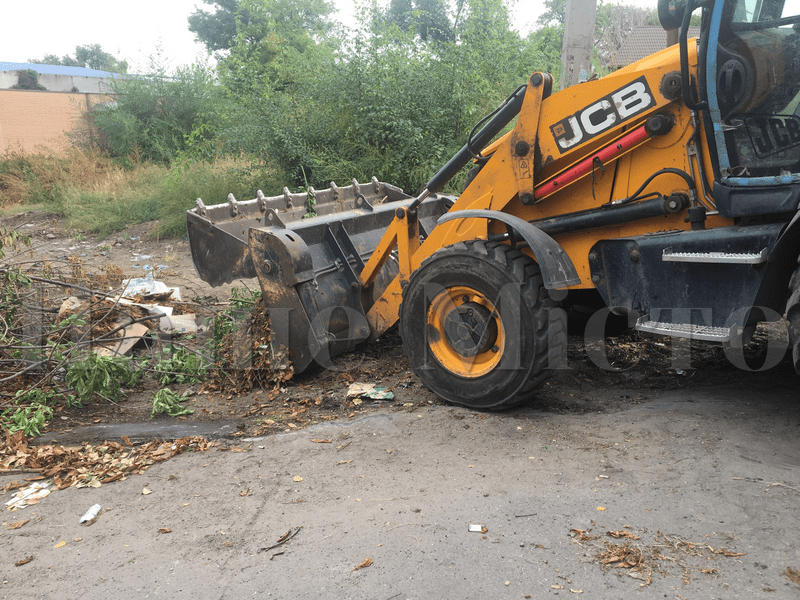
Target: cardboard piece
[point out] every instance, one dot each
(178, 323)
(131, 336)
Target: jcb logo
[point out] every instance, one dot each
(771, 134)
(611, 110)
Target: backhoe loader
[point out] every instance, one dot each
(670, 188)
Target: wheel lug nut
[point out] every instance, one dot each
(495, 348)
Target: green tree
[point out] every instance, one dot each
(217, 30)
(553, 14)
(388, 104)
(91, 56)
(429, 19)
(254, 20)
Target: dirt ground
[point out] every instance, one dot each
(694, 467)
(640, 365)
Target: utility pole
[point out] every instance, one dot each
(576, 52)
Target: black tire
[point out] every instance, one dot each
(793, 317)
(478, 327)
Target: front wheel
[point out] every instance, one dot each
(793, 317)
(478, 327)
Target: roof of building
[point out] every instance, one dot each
(642, 42)
(56, 70)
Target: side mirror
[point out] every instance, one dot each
(670, 13)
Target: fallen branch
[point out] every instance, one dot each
(776, 484)
(283, 539)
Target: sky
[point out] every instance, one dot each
(140, 30)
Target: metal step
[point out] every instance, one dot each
(716, 257)
(688, 330)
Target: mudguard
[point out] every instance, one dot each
(556, 266)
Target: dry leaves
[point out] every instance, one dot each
(792, 575)
(18, 524)
(89, 465)
(666, 552)
(250, 358)
(581, 536)
(164, 530)
(364, 564)
(13, 485)
(24, 561)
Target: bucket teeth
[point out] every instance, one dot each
(287, 198)
(233, 204)
(292, 207)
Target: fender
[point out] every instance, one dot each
(555, 264)
(789, 241)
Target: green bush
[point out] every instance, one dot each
(154, 115)
(27, 79)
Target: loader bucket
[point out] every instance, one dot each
(308, 266)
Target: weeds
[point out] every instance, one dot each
(101, 375)
(31, 420)
(168, 402)
(10, 240)
(244, 298)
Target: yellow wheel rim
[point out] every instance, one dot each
(465, 332)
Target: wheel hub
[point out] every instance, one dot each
(465, 332)
(470, 329)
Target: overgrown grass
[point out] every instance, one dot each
(97, 194)
(41, 178)
(212, 183)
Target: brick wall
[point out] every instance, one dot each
(34, 120)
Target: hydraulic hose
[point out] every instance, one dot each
(502, 116)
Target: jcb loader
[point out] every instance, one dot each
(670, 187)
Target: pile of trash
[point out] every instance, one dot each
(249, 358)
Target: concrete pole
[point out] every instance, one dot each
(576, 52)
(673, 36)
